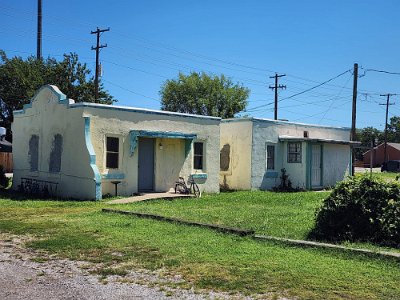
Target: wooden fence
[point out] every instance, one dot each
(6, 160)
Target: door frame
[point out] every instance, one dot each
(154, 165)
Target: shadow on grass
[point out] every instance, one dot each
(13, 195)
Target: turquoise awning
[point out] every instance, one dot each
(135, 134)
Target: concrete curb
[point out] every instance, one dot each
(245, 232)
(325, 245)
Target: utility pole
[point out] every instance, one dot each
(386, 123)
(39, 31)
(353, 115)
(276, 87)
(97, 48)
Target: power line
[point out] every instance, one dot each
(380, 71)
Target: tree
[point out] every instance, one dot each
(199, 93)
(394, 130)
(19, 79)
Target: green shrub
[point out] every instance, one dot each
(4, 181)
(361, 208)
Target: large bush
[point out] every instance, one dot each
(361, 208)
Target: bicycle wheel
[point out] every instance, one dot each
(180, 188)
(195, 190)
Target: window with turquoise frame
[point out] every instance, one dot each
(294, 152)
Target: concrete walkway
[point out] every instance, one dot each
(149, 196)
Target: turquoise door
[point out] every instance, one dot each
(146, 165)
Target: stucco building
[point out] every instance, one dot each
(82, 148)
(253, 152)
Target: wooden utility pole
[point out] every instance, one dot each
(353, 115)
(97, 48)
(386, 123)
(276, 87)
(39, 31)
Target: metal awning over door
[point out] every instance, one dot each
(135, 134)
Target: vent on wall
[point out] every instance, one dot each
(305, 134)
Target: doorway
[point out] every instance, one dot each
(146, 165)
(316, 163)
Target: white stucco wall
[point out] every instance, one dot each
(170, 161)
(84, 128)
(46, 118)
(336, 163)
(335, 157)
(267, 132)
(238, 137)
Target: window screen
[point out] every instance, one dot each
(198, 156)
(112, 152)
(294, 152)
(270, 157)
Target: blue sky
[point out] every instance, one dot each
(151, 41)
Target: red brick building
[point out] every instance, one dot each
(393, 153)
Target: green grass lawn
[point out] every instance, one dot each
(288, 215)
(383, 175)
(207, 259)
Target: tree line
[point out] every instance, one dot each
(195, 93)
(375, 136)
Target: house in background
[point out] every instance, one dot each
(5, 152)
(392, 150)
(253, 152)
(83, 148)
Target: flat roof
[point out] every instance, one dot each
(140, 110)
(281, 122)
(321, 140)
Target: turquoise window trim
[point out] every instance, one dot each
(135, 134)
(199, 176)
(271, 174)
(92, 156)
(113, 176)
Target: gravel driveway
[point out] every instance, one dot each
(24, 274)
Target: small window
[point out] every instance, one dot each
(55, 154)
(34, 153)
(112, 152)
(270, 155)
(294, 152)
(198, 156)
(305, 134)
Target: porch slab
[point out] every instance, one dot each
(149, 196)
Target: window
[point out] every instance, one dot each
(55, 154)
(294, 152)
(198, 156)
(270, 157)
(112, 152)
(34, 153)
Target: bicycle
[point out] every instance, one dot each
(182, 188)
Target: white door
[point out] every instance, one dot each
(316, 166)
